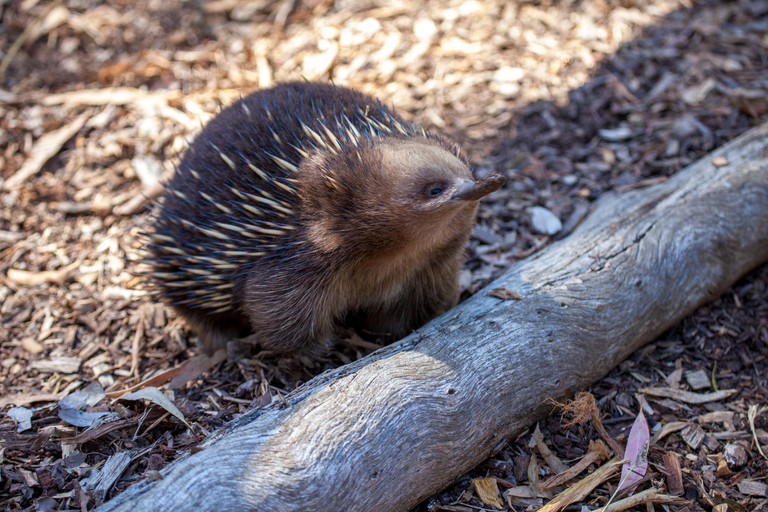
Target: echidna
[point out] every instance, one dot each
(308, 205)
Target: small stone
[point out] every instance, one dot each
(684, 127)
(485, 235)
(735, 455)
(719, 161)
(508, 74)
(616, 134)
(544, 221)
(509, 90)
(569, 179)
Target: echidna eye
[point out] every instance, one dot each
(436, 191)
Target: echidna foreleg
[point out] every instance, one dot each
(287, 313)
(430, 293)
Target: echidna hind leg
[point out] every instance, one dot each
(215, 331)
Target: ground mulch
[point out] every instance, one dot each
(570, 100)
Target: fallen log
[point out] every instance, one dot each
(385, 432)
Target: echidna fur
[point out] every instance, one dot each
(216, 222)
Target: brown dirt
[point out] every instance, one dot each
(569, 100)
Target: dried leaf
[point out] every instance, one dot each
(28, 398)
(156, 380)
(22, 416)
(86, 397)
(196, 366)
(687, 396)
(155, 396)
(637, 452)
(80, 418)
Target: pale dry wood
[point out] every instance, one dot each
(652, 495)
(45, 148)
(100, 483)
(582, 488)
(385, 432)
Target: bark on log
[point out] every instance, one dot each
(387, 431)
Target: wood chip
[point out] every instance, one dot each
(488, 492)
(697, 379)
(693, 435)
(505, 294)
(58, 364)
(669, 428)
(752, 488)
(723, 471)
(31, 346)
(106, 96)
(30, 278)
(550, 458)
(581, 489)
(716, 417)
(44, 149)
(572, 472)
(674, 475)
(102, 481)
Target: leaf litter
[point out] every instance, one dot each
(567, 100)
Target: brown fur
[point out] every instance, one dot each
(366, 241)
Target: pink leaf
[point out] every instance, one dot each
(637, 452)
